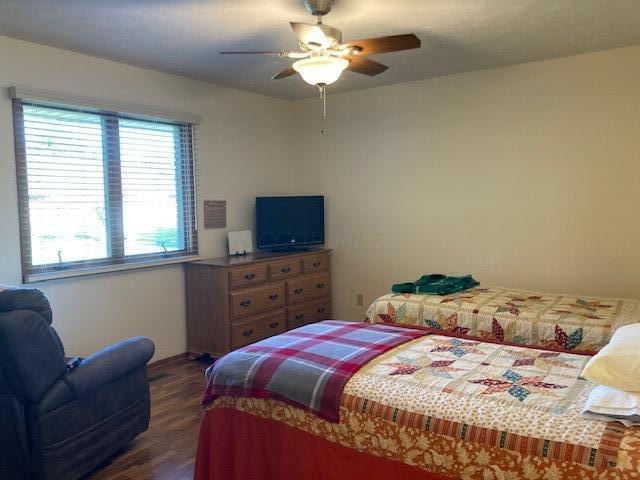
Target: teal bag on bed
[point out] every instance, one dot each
(436, 284)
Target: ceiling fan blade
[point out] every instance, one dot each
(365, 66)
(287, 72)
(280, 53)
(309, 34)
(393, 43)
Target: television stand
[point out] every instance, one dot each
(234, 301)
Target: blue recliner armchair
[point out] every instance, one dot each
(57, 422)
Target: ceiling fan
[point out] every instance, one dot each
(323, 57)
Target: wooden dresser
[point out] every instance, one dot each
(234, 301)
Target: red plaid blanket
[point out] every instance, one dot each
(307, 367)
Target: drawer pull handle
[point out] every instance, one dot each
(319, 285)
(250, 276)
(273, 296)
(285, 270)
(274, 324)
(300, 316)
(245, 303)
(316, 264)
(320, 310)
(247, 333)
(298, 291)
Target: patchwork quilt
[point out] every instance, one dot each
(307, 367)
(554, 321)
(471, 410)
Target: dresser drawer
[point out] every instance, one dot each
(247, 276)
(315, 263)
(257, 328)
(305, 313)
(281, 269)
(308, 288)
(248, 302)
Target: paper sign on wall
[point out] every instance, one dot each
(215, 214)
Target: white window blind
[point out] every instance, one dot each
(99, 189)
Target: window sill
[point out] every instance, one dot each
(43, 277)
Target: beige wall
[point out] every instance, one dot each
(525, 176)
(243, 150)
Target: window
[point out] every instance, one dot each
(100, 189)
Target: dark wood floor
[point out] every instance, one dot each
(166, 451)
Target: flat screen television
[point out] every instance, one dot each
(288, 223)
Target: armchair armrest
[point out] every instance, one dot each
(110, 364)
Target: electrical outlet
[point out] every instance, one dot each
(359, 300)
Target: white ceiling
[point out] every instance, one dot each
(184, 36)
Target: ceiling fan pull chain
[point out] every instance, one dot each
(323, 98)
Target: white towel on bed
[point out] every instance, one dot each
(606, 403)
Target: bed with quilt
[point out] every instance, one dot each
(348, 400)
(525, 317)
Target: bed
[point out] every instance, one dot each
(525, 317)
(441, 405)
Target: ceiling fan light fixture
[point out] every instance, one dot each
(323, 69)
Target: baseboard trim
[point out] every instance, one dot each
(165, 362)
